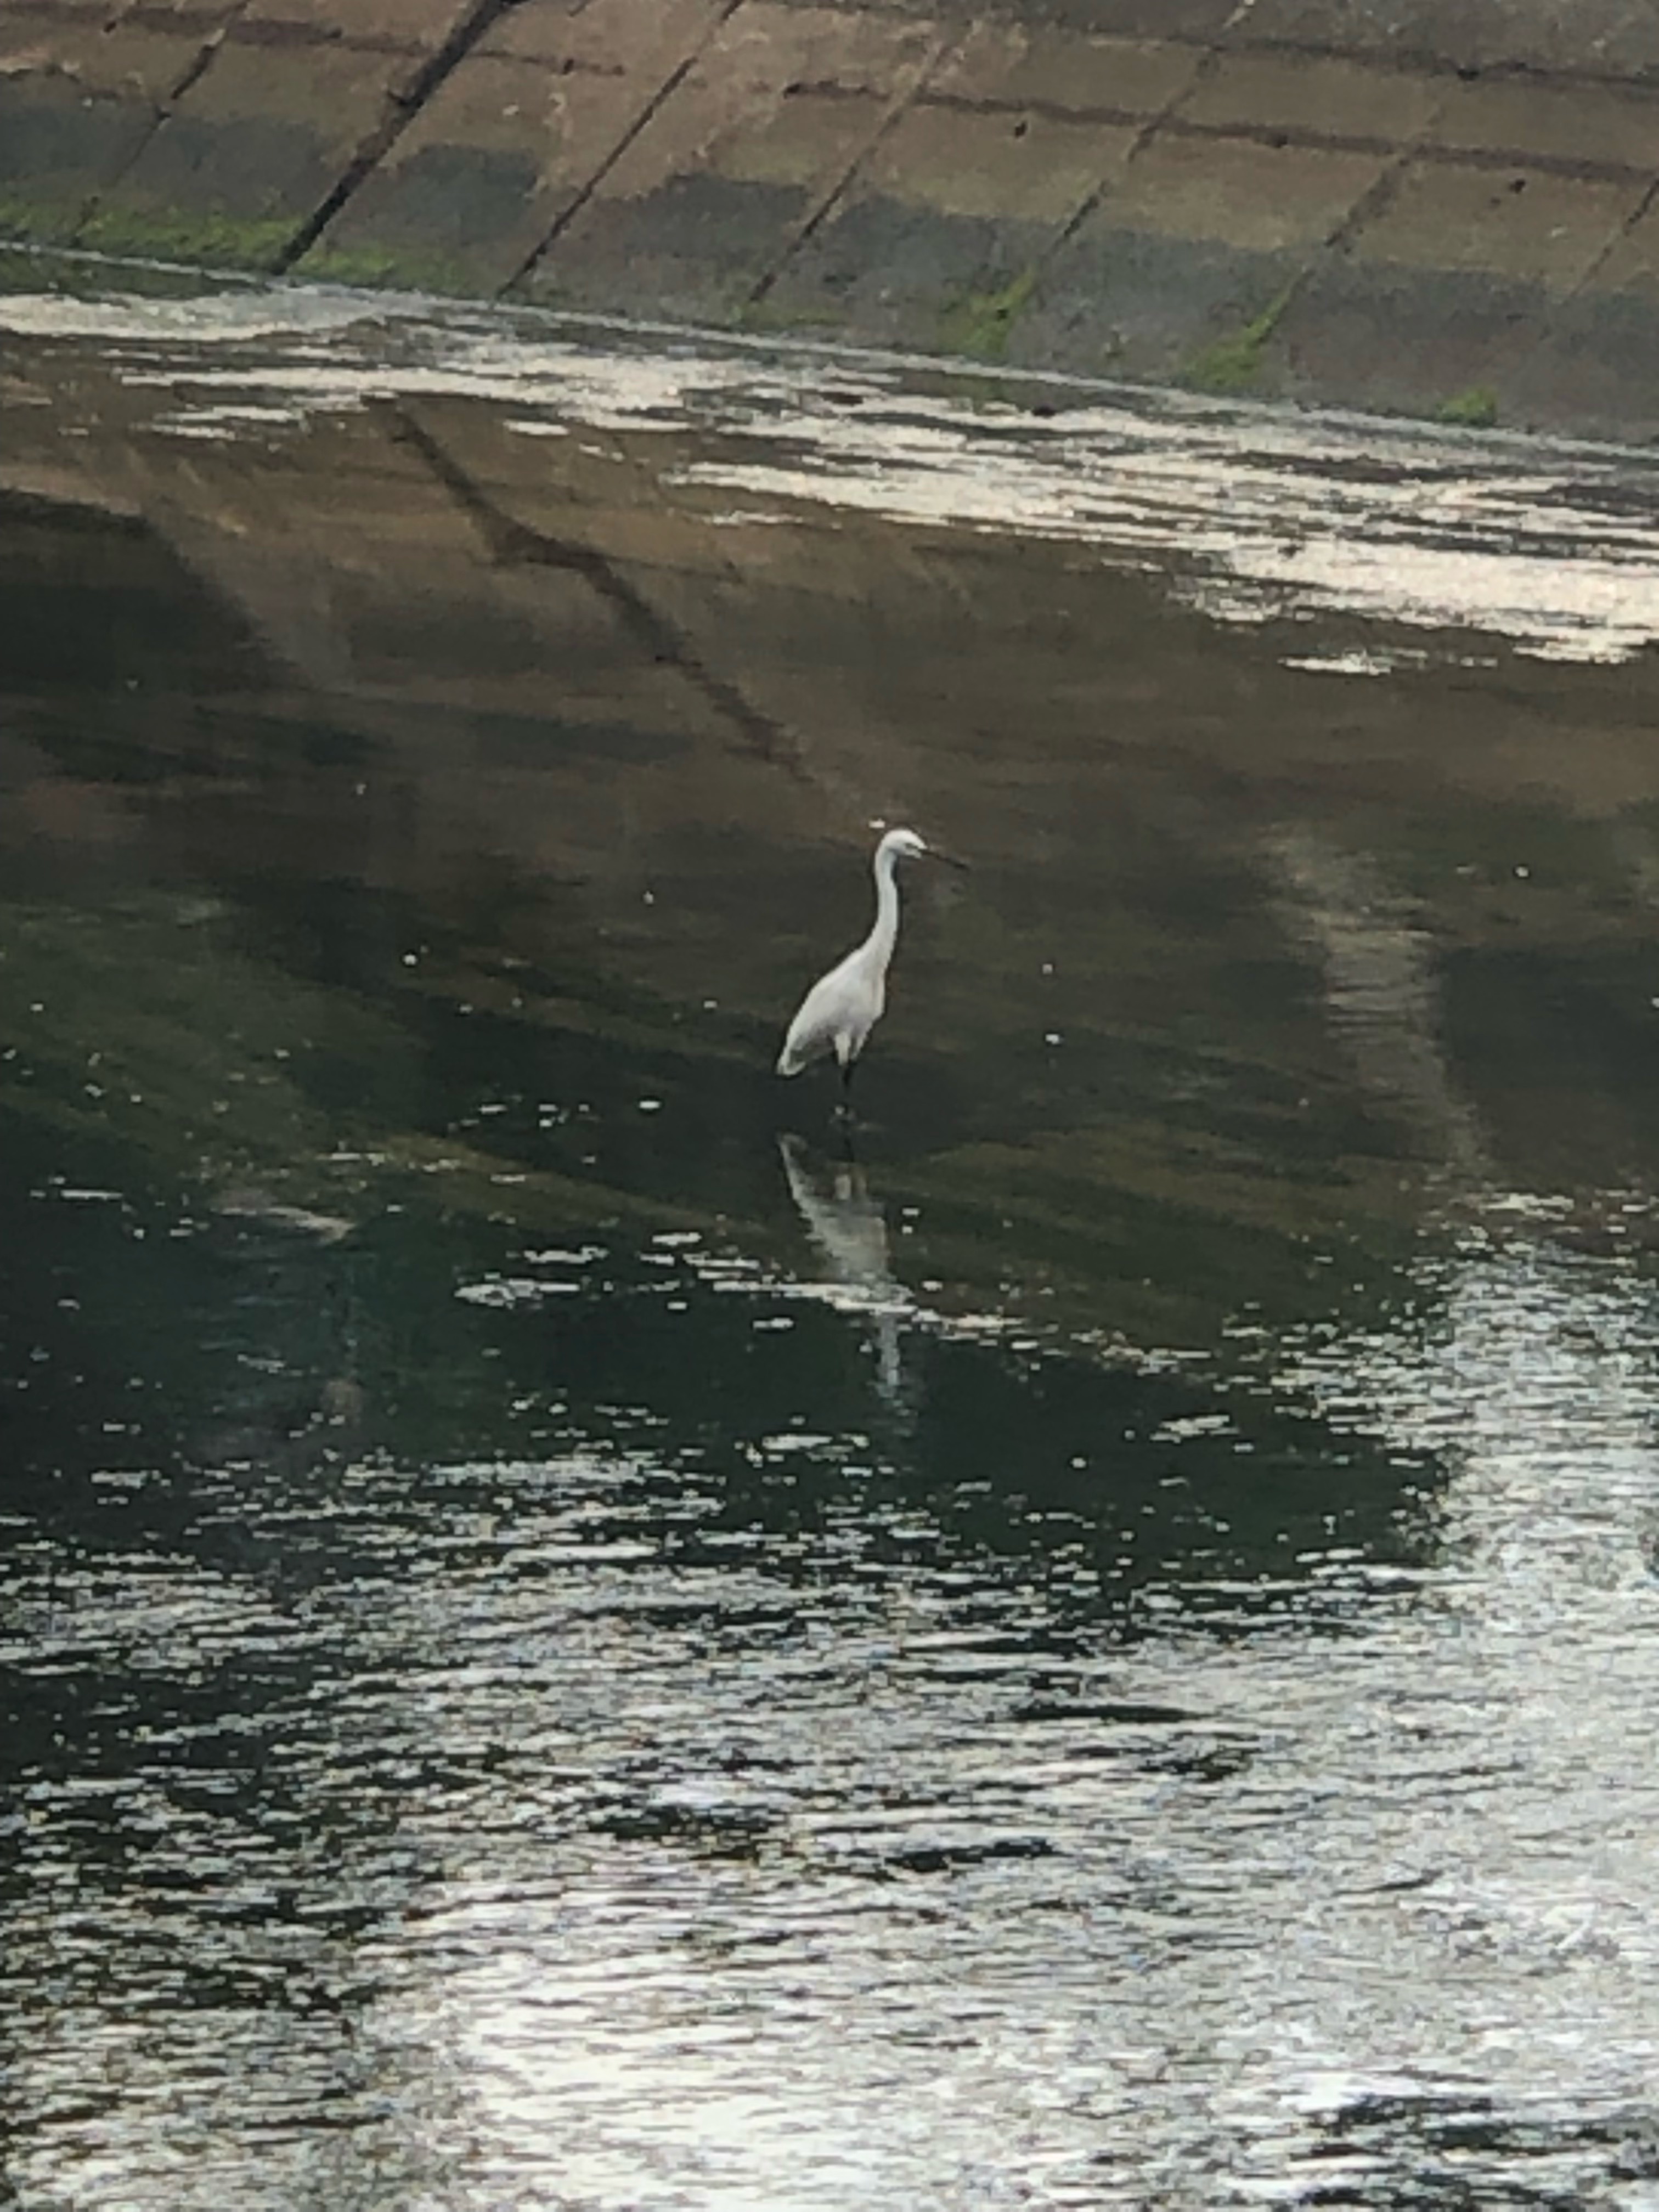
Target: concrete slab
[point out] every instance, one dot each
(201, 16)
(37, 19)
(510, 142)
(464, 197)
(77, 101)
(1023, 166)
(1631, 262)
(1589, 123)
(254, 147)
(627, 38)
(1020, 65)
(124, 60)
(1186, 266)
(1610, 38)
(901, 273)
(1523, 223)
(1260, 197)
(1199, 20)
(750, 82)
(937, 239)
(694, 250)
(1319, 96)
(411, 26)
(704, 203)
(1592, 368)
(59, 144)
(1436, 341)
(1121, 302)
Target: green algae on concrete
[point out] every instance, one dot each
(59, 144)
(979, 325)
(1476, 408)
(768, 315)
(236, 170)
(27, 266)
(392, 270)
(1233, 364)
(25, 221)
(214, 239)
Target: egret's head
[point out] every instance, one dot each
(905, 845)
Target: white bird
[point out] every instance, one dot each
(841, 1008)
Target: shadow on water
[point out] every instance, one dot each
(571, 1637)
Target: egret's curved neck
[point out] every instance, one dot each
(882, 938)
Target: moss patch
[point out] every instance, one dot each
(1233, 363)
(213, 239)
(1476, 408)
(50, 222)
(978, 324)
(33, 268)
(381, 268)
(766, 314)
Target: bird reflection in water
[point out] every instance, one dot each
(850, 1229)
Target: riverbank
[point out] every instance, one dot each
(1452, 212)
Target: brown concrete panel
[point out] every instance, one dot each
(124, 60)
(1593, 366)
(414, 26)
(704, 203)
(77, 101)
(253, 147)
(936, 240)
(1314, 96)
(622, 38)
(1020, 167)
(1239, 193)
(1587, 123)
(1520, 222)
(509, 143)
(1019, 66)
(1606, 38)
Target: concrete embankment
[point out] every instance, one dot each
(1446, 206)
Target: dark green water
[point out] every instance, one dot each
(569, 1642)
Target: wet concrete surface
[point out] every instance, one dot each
(571, 1638)
(1450, 210)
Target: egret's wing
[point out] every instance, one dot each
(813, 1032)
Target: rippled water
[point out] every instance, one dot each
(571, 1641)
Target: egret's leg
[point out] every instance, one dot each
(844, 1104)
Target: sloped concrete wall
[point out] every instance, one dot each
(1446, 206)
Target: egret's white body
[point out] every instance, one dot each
(841, 1008)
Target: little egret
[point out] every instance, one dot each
(841, 1008)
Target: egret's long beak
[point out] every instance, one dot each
(950, 860)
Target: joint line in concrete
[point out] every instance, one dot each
(1206, 60)
(896, 108)
(664, 92)
(402, 108)
(189, 77)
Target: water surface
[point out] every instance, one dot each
(571, 1638)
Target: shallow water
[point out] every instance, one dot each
(570, 1640)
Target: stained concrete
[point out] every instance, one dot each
(78, 99)
(767, 128)
(510, 142)
(1427, 204)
